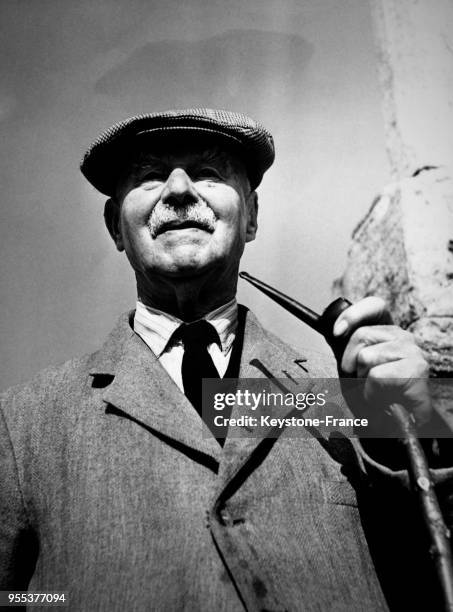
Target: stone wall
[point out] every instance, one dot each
(403, 251)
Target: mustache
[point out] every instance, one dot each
(164, 216)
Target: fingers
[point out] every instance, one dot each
(369, 311)
(388, 383)
(372, 345)
(369, 357)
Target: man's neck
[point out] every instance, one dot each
(188, 299)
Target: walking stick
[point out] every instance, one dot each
(418, 469)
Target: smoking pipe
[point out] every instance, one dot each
(322, 323)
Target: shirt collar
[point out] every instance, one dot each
(159, 326)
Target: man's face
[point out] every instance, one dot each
(184, 209)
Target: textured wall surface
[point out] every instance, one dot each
(402, 251)
(415, 47)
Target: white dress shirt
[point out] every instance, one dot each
(156, 328)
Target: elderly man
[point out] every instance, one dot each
(114, 490)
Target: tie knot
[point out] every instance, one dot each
(201, 333)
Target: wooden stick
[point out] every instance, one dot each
(439, 534)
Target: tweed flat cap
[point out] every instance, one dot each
(108, 154)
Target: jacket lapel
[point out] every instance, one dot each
(266, 358)
(144, 392)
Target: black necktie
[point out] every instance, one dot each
(197, 362)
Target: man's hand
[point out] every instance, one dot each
(386, 356)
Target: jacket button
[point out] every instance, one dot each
(225, 516)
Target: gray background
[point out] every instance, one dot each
(306, 69)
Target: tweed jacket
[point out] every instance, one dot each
(114, 491)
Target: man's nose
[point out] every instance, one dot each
(179, 189)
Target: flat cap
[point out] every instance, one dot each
(108, 154)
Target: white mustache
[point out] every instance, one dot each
(197, 212)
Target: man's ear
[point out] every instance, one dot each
(112, 222)
(252, 216)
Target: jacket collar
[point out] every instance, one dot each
(143, 390)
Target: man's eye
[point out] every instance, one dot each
(152, 177)
(208, 173)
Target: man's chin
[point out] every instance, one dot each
(185, 268)
(189, 272)
(186, 257)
